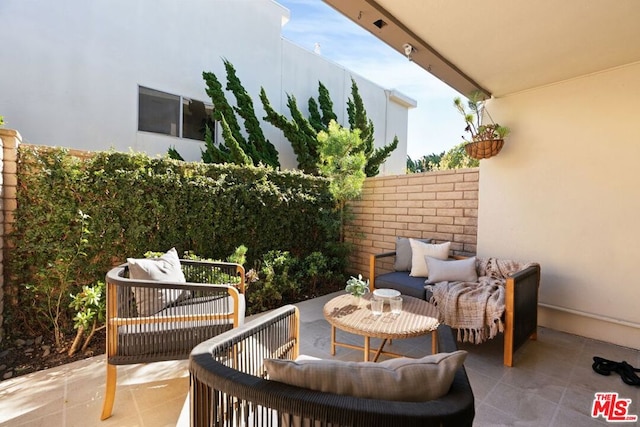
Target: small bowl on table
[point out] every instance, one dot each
(385, 294)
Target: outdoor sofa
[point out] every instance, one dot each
(230, 385)
(521, 281)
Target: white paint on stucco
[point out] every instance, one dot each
(564, 192)
(71, 70)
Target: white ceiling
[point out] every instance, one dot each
(506, 46)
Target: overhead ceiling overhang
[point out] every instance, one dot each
(502, 47)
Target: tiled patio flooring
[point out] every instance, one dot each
(552, 383)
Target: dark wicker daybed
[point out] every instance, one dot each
(229, 385)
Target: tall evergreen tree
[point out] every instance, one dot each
(222, 107)
(298, 130)
(315, 119)
(236, 154)
(358, 120)
(326, 105)
(260, 149)
(214, 153)
(220, 153)
(173, 154)
(302, 132)
(321, 111)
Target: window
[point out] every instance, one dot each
(196, 115)
(158, 112)
(173, 115)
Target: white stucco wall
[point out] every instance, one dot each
(71, 69)
(564, 192)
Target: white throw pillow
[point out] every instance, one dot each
(403, 253)
(163, 269)
(403, 379)
(420, 250)
(463, 270)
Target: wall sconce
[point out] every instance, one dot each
(409, 50)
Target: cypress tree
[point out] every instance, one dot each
(173, 154)
(260, 149)
(213, 153)
(237, 154)
(321, 111)
(358, 120)
(298, 131)
(326, 105)
(222, 107)
(315, 119)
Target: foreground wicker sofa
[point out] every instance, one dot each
(521, 297)
(229, 385)
(211, 302)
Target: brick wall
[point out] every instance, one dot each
(9, 142)
(440, 205)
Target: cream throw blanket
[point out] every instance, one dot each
(476, 308)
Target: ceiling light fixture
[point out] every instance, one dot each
(409, 50)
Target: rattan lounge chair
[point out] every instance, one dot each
(229, 386)
(211, 302)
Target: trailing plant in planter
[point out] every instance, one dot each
(486, 139)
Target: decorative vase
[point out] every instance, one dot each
(358, 299)
(484, 149)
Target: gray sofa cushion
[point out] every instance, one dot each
(401, 281)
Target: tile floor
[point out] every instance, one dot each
(552, 383)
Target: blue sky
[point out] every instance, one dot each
(434, 126)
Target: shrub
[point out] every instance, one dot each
(90, 307)
(137, 203)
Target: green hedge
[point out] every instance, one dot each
(137, 203)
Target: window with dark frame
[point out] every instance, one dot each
(196, 115)
(158, 112)
(173, 115)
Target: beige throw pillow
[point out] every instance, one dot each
(163, 269)
(420, 250)
(402, 379)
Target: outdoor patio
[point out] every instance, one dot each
(552, 383)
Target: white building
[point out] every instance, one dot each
(77, 73)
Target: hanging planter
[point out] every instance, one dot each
(486, 139)
(484, 149)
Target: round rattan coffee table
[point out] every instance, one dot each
(417, 318)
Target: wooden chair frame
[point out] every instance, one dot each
(170, 334)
